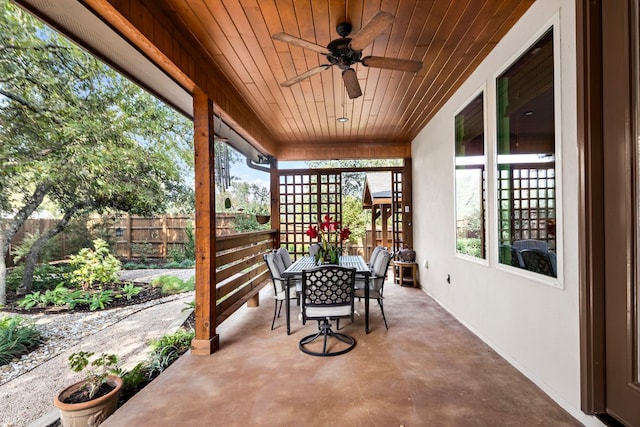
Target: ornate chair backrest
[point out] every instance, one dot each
(538, 261)
(327, 291)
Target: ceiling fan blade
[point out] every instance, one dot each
(367, 34)
(392, 63)
(351, 83)
(304, 75)
(283, 37)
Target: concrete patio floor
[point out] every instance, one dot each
(426, 370)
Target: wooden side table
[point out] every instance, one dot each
(399, 273)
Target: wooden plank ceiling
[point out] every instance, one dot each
(450, 37)
(232, 41)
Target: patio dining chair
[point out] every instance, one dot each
(314, 248)
(376, 282)
(327, 293)
(538, 261)
(374, 254)
(285, 256)
(280, 291)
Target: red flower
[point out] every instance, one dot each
(345, 233)
(312, 231)
(328, 226)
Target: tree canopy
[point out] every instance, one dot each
(74, 131)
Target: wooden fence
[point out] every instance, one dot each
(132, 236)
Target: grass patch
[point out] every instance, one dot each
(171, 285)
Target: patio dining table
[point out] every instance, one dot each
(308, 262)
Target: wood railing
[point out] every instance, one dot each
(240, 269)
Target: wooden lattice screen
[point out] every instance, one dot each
(305, 198)
(396, 209)
(528, 209)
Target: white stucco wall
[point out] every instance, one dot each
(532, 324)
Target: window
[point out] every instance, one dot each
(526, 175)
(470, 180)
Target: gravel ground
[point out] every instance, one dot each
(28, 385)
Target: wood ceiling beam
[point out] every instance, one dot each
(345, 151)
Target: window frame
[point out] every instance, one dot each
(556, 282)
(487, 181)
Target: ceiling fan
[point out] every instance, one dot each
(347, 51)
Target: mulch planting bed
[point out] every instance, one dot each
(148, 293)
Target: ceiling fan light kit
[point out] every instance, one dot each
(345, 52)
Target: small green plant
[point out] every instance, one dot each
(164, 351)
(17, 337)
(96, 369)
(95, 266)
(130, 290)
(168, 349)
(58, 297)
(191, 305)
(32, 300)
(99, 300)
(170, 285)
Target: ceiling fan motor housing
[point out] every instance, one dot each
(341, 54)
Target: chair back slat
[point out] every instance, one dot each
(327, 292)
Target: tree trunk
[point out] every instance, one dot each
(6, 234)
(3, 280)
(31, 259)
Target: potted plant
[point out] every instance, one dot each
(91, 400)
(262, 215)
(261, 211)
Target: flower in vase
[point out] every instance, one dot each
(330, 232)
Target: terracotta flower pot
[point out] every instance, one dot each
(92, 412)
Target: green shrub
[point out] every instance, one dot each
(170, 285)
(142, 251)
(187, 263)
(176, 255)
(134, 266)
(95, 266)
(58, 296)
(45, 277)
(469, 246)
(17, 337)
(244, 223)
(190, 245)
